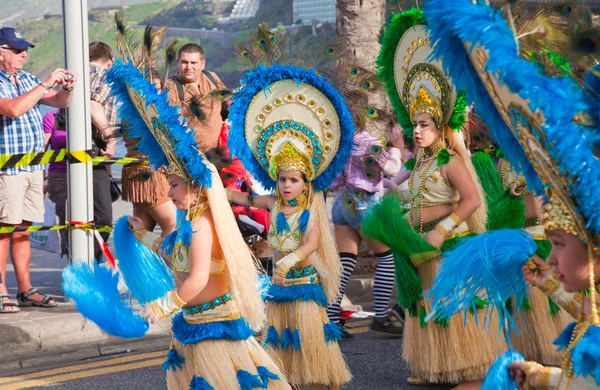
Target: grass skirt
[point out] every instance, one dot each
(460, 351)
(216, 350)
(142, 184)
(301, 336)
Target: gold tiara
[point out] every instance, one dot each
(425, 103)
(291, 159)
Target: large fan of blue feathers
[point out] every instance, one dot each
(94, 290)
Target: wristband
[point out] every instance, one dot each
(456, 219)
(446, 225)
(442, 230)
(288, 262)
(167, 305)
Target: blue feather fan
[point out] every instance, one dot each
(487, 266)
(498, 376)
(95, 293)
(145, 273)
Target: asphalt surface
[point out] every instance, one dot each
(374, 360)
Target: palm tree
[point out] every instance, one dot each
(359, 24)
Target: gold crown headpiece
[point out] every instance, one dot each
(291, 159)
(421, 83)
(425, 103)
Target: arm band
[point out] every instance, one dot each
(447, 225)
(289, 261)
(167, 305)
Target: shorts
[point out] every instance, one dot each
(22, 197)
(351, 205)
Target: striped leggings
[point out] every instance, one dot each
(382, 289)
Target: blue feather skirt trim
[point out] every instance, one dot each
(187, 333)
(225, 358)
(298, 330)
(300, 292)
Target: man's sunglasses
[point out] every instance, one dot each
(16, 51)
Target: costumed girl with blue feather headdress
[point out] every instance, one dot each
(446, 206)
(213, 286)
(512, 206)
(536, 121)
(293, 132)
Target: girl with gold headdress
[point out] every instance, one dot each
(293, 132)
(545, 142)
(215, 291)
(445, 206)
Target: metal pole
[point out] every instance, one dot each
(79, 134)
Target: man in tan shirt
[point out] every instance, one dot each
(195, 84)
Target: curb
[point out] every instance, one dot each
(59, 356)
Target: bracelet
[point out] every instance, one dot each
(442, 230)
(46, 88)
(456, 219)
(530, 368)
(300, 255)
(176, 300)
(69, 89)
(448, 224)
(542, 381)
(279, 272)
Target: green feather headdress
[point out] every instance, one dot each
(394, 32)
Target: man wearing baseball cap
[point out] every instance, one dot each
(22, 131)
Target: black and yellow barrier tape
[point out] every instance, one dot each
(31, 229)
(81, 156)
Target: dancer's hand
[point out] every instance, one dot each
(150, 316)
(135, 223)
(435, 238)
(535, 270)
(525, 374)
(278, 280)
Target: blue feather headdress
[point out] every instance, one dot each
(538, 108)
(163, 134)
(287, 113)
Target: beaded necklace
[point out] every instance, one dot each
(425, 161)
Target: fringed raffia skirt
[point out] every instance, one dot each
(142, 184)
(215, 349)
(451, 352)
(456, 350)
(300, 334)
(541, 320)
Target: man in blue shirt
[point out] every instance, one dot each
(22, 131)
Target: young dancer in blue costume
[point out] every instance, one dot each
(293, 132)
(215, 299)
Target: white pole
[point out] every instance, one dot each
(79, 134)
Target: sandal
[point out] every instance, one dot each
(4, 305)
(24, 300)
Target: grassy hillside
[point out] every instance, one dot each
(47, 34)
(15, 11)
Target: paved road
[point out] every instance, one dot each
(373, 359)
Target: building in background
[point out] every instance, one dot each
(307, 11)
